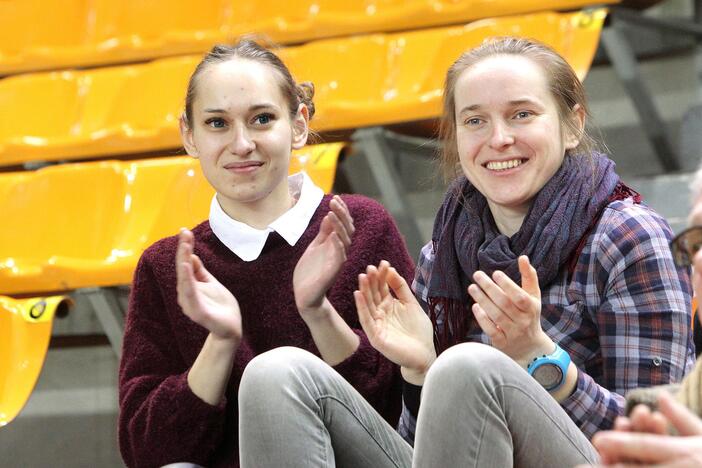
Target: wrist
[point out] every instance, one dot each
(543, 346)
(314, 314)
(223, 344)
(416, 376)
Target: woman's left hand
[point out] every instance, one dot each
(511, 315)
(316, 270)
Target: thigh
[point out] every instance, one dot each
(295, 410)
(479, 408)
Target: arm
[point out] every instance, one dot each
(314, 274)
(642, 318)
(375, 238)
(160, 420)
(168, 412)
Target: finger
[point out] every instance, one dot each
(186, 289)
(640, 418)
(185, 241)
(486, 324)
(339, 247)
(530, 280)
(383, 270)
(372, 273)
(649, 448)
(658, 424)
(493, 311)
(326, 228)
(339, 228)
(399, 287)
(681, 418)
(515, 293)
(622, 424)
(364, 315)
(342, 211)
(492, 298)
(365, 288)
(183, 253)
(199, 271)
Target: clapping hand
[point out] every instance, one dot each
(511, 314)
(318, 267)
(204, 299)
(396, 325)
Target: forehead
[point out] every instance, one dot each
(502, 78)
(238, 81)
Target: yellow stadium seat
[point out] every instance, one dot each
(78, 33)
(25, 330)
(360, 81)
(57, 238)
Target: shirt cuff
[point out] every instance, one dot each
(411, 395)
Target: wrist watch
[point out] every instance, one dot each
(550, 369)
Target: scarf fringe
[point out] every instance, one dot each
(452, 319)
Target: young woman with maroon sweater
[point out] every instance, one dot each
(275, 265)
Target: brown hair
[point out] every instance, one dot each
(294, 93)
(565, 87)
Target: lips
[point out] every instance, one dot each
(243, 165)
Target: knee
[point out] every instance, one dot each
(467, 363)
(275, 366)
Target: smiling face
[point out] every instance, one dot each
(242, 131)
(509, 136)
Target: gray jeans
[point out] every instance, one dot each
(479, 409)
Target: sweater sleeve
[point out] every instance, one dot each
(374, 376)
(643, 318)
(161, 420)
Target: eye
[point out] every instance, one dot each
(215, 122)
(263, 119)
(523, 114)
(473, 121)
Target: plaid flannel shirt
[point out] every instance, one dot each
(623, 316)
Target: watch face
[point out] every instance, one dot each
(548, 375)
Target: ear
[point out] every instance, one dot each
(300, 127)
(577, 117)
(186, 136)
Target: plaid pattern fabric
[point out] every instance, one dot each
(623, 316)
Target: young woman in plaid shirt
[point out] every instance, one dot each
(554, 286)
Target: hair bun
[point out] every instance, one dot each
(305, 93)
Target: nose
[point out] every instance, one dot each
(241, 143)
(501, 135)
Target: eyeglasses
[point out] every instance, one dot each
(685, 246)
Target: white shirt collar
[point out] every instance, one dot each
(247, 242)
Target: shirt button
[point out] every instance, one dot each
(657, 361)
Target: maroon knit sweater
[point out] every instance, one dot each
(161, 421)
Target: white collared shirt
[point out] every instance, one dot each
(247, 242)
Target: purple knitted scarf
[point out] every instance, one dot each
(465, 237)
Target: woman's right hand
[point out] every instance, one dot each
(395, 325)
(204, 299)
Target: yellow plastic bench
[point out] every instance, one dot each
(57, 238)
(25, 330)
(361, 81)
(67, 34)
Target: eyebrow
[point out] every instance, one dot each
(513, 103)
(255, 107)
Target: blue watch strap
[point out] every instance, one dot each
(559, 358)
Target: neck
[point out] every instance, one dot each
(508, 220)
(260, 213)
